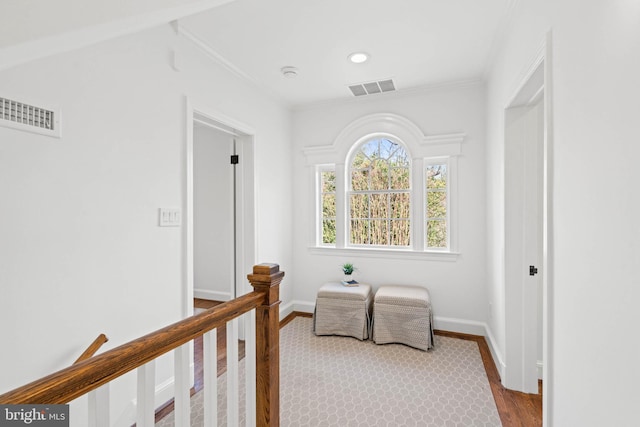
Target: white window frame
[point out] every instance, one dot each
(423, 149)
(450, 174)
(319, 214)
(349, 191)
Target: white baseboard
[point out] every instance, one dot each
(304, 306)
(286, 310)
(211, 295)
(495, 352)
(461, 326)
(301, 306)
(540, 369)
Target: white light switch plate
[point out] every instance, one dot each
(170, 217)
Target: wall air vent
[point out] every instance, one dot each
(29, 118)
(369, 88)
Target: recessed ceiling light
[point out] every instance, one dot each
(289, 72)
(358, 57)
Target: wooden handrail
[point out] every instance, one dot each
(91, 350)
(72, 382)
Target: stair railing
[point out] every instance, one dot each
(91, 374)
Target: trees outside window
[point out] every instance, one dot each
(327, 178)
(379, 196)
(436, 210)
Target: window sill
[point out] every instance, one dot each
(386, 253)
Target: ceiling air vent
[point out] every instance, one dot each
(21, 116)
(372, 87)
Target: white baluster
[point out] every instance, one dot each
(182, 386)
(99, 407)
(210, 373)
(250, 367)
(145, 416)
(232, 373)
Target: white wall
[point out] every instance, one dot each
(212, 214)
(80, 245)
(595, 205)
(457, 288)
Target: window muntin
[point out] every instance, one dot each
(327, 181)
(379, 196)
(437, 206)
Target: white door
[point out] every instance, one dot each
(532, 243)
(524, 137)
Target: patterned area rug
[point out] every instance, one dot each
(340, 381)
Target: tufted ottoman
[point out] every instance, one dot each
(343, 310)
(402, 314)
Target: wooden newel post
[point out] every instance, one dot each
(266, 278)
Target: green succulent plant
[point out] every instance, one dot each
(347, 268)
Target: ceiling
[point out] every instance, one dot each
(415, 42)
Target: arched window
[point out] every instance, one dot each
(379, 195)
(385, 187)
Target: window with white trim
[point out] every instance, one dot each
(379, 195)
(379, 200)
(437, 198)
(327, 204)
(383, 186)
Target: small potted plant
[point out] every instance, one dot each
(347, 269)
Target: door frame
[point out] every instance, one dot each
(537, 78)
(245, 200)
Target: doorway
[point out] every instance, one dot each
(219, 233)
(214, 212)
(526, 253)
(223, 137)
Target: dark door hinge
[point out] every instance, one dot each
(235, 159)
(532, 270)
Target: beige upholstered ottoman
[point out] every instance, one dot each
(402, 314)
(343, 310)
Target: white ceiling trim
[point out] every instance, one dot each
(12, 56)
(212, 54)
(205, 48)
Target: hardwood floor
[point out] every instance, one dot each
(515, 409)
